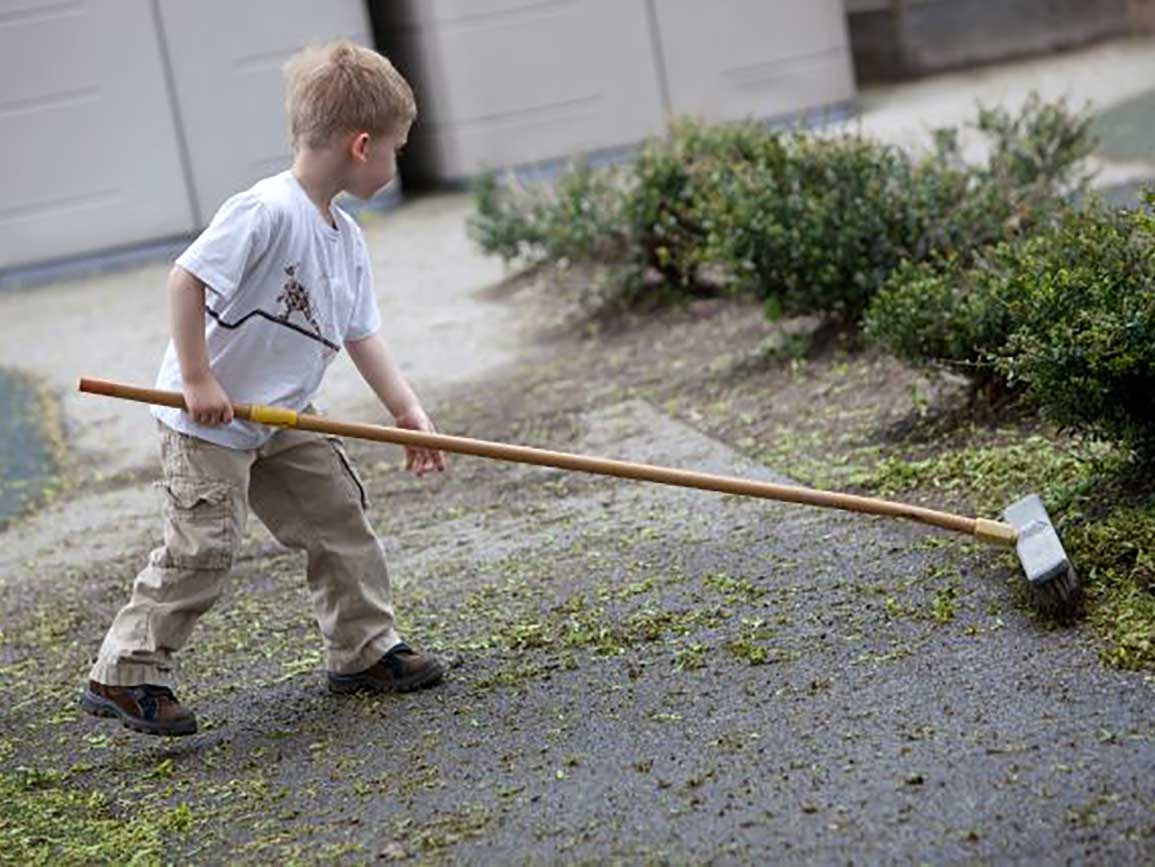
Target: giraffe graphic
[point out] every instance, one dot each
(296, 298)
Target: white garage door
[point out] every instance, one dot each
(88, 148)
(779, 56)
(125, 121)
(509, 82)
(226, 59)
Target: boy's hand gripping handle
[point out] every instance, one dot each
(255, 412)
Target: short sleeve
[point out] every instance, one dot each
(223, 253)
(365, 319)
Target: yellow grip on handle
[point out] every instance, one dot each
(274, 416)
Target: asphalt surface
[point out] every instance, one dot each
(648, 674)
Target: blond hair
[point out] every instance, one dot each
(342, 87)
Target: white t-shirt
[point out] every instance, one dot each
(285, 291)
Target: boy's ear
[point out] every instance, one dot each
(359, 146)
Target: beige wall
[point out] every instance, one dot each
(505, 82)
(132, 120)
(226, 61)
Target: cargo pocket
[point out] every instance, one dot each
(199, 528)
(350, 472)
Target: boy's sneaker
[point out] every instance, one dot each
(151, 709)
(400, 670)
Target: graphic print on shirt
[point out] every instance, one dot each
(294, 298)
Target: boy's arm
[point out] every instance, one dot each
(380, 371)
(206, 401)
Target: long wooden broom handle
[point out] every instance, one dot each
(985, 530)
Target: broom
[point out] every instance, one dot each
(1026, 527)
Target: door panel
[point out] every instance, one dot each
(88, 147)
(733, 59)
(227, 58)
(509, 82)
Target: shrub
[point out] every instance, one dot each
(1036, 151)
(825, 227)
(943, 314)
(1084, 348)
(817, 230)
(1066, 316)
(673, 206)
(579, 218)
(810, 223)
(502, 225)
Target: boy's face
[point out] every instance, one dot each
(374, 161)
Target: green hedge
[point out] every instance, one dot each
(1065, 316)
(579, 219)
(946, 314)
(810, 223)
(1085, 346)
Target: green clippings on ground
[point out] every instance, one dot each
(45, 819)
(993, 475)
(735, 589)
(691, 657)
(541, 629)
(435, 835)
(944, 605)
(1113, 552)
(1117, 557)
(747, 646)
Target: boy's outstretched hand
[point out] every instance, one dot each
(420, 461)
(376, 365)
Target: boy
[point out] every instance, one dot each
(260, 304)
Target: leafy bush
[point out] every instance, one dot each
(1036, 150)
(678, 195)
(943, 314)
(1066, 315)
(502, 225)
(817, 230)
(822, 227)
(580, 218)
(809, 223)
(1084, 349)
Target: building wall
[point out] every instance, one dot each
(898, 39)
(129, 121)
(90, 147)
(506, 83)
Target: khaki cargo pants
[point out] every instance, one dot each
(303, 488)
